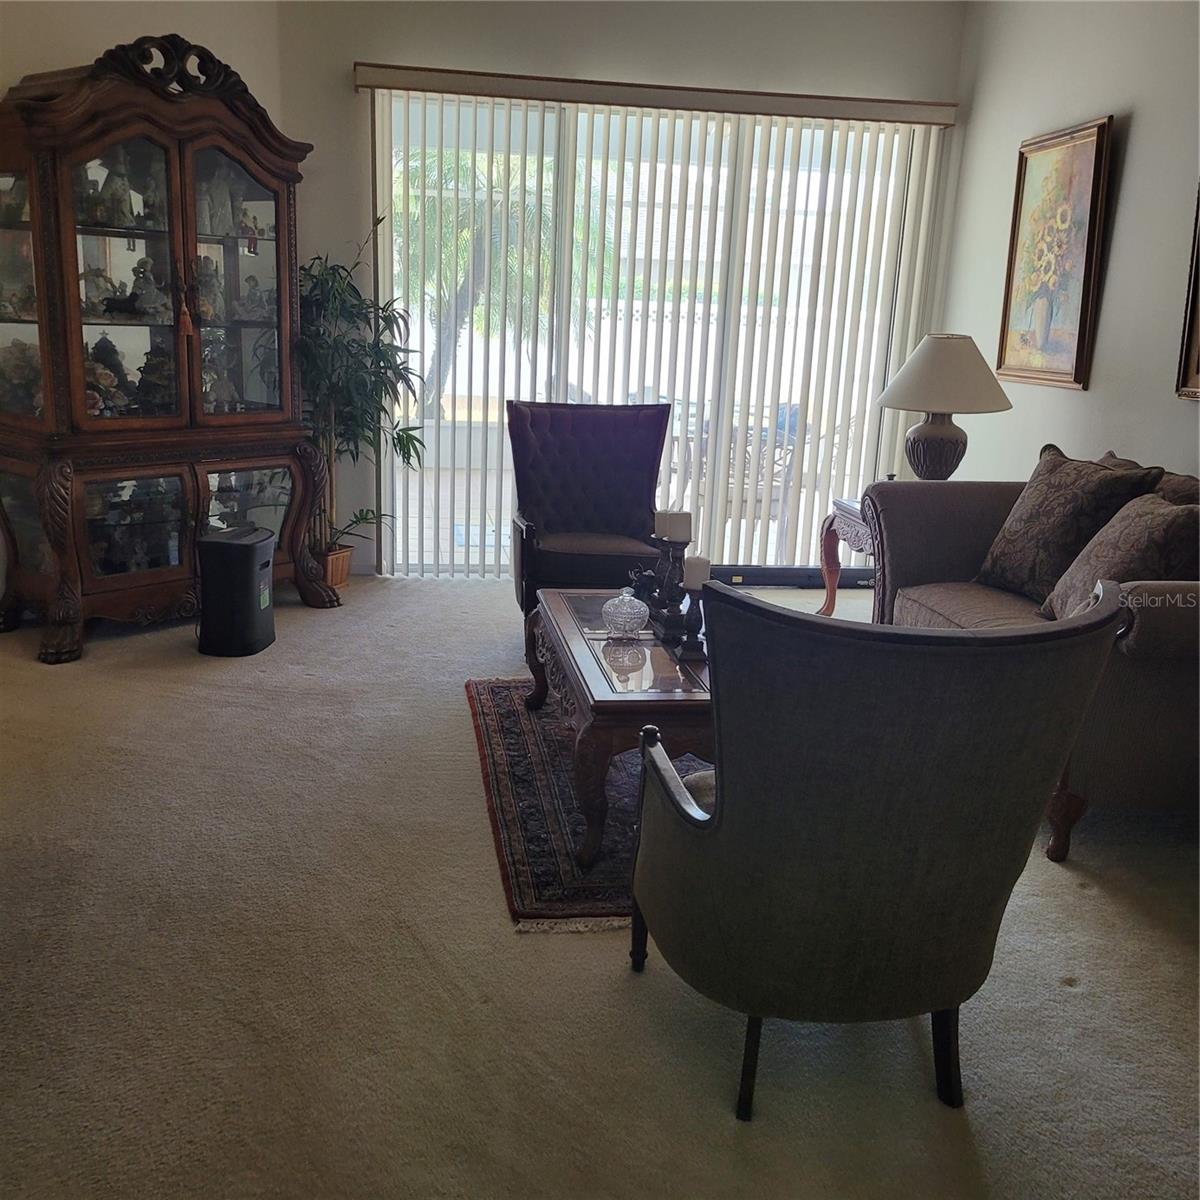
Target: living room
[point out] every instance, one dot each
(852, 851)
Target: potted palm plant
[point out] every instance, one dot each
(356, 383)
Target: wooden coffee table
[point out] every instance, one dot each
(607, 691)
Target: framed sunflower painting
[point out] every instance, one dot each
(1051, 285)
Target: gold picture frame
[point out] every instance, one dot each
(1187, 379)
(1051, 283)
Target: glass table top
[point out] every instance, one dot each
(630, 665)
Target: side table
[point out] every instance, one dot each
(844, 524)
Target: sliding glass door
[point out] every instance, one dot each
(761, 275)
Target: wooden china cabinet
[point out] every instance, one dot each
(148, 303)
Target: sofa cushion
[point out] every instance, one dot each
(1150, 538)
(702, 786)
(962, 606)
(1064, 505)
(1178, 489)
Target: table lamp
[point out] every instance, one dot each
(946, 374)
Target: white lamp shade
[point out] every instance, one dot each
(945, 374)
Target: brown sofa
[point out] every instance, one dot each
(1138, 744)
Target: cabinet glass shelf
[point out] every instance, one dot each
(235, 239)
(120, 231)
(113, 319)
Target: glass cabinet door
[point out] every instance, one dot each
(239, 497)
(126, 282)
(21, 384)
(236, 287)
(135, 524)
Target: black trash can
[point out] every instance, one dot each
(237, 613)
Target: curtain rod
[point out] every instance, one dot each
(372, 76)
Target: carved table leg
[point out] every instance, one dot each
(1063, 813)
(63, 638)
(541, 685)
(310, 578)
(593, 751)
(831, 567)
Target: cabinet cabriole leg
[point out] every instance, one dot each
(63, 638)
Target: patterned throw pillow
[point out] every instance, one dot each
(1150, 538)
(1179, 489)
(1066, 502)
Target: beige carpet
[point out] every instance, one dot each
(253, 944)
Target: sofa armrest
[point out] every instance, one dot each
(931, 531)
(1164, 620)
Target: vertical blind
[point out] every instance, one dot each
(762, 275)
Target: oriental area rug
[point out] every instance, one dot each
(527, 779)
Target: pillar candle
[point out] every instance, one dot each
(696, 573)
(674, 526)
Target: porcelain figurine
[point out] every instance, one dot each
(220, 202)
(154, 198)
(115, 194)
(237, 193)
(97, 287)
(210, 295)
(152, 301)
(253, 304)
(139, 560)
(94, 207)
(23, 302)
(203, 209)
(222, 396)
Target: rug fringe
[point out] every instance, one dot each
(572, 925)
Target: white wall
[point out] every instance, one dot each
(48, 37)
(1031, 68)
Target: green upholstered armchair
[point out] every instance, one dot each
(876, 794)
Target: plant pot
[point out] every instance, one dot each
(336, 564)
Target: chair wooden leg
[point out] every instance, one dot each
(745, 1103)
(637, 939)
(945, 1057)
(1063, 811)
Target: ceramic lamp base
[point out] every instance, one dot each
(935, 447)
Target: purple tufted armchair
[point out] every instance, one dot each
(585, 477)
